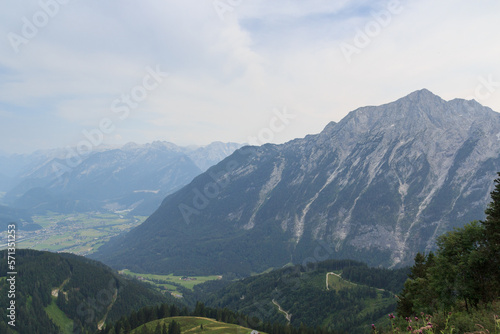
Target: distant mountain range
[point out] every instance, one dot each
(131, 178)
(378, 186)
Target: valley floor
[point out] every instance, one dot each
(79, 233)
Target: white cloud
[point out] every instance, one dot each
(227, 75)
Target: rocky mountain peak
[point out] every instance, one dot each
(422, 96)
(379, 185)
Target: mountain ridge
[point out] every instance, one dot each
(379, 186)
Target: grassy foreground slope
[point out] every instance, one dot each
(194, 325)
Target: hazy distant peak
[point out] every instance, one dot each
(130, 146)
(206, 156)
(164, 144)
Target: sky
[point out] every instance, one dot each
(93, 73)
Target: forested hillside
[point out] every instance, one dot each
(68, 294)
(356, 295)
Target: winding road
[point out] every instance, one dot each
(335, 275)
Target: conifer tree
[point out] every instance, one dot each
(174, 328)
(492, 239)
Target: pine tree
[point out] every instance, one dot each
(141, 316)
(134, 322)
(419, 269)
(164, 311)
(199, 310)
(174, 328)
(492, 239)
(417, 292)
(126, 326)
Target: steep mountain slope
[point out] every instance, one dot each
(135, 177)
(378, 186)
(65, 293)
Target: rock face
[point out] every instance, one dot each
(378, 186)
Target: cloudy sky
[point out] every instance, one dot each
(197, 71)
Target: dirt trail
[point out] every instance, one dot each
(287, 315)
(55, 291)
(100, 324)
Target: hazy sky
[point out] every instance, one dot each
(73, 67)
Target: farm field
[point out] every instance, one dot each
(80, 233)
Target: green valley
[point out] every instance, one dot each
(78, 233)
(170, 282)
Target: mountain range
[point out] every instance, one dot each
(131, 178)
(377, 186)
